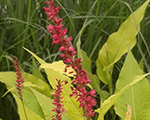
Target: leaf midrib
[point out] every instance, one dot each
(133, 102)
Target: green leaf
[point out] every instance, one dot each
(71, 105)
(47, 106)
(118, 44)
(28, 97)
(106, 105)
(141, 64)
(59, 67)
(37, 84)
(35, 71)
(86, 62)
(137, 96)
(30, 101)
(30, 114)
(37, 103)
(45, 103)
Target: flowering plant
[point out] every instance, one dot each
(71, 91)
(81, 79)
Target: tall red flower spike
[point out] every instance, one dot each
(20, 79)
(57, 101)
(68, 54)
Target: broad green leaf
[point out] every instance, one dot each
(58, 66)
(30, 114)
(28, 97)
(128, 112)
(45, 103)
(118, 44)
(47, 106)
(41, 86)
(137, 96)
(141, 64)
(106, 105)
(71, 105)
(51, 67)
(86, 62)
(37, 104)
(35, 71)
(30, 101)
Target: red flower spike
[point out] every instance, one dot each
(62, 48)
(50, 28)
(20, 79)
(67, 60)
(62, 55)
(57, 101)
(71, 49)
(81, 79)
(69, 39)
(58, 21)
(59, 28)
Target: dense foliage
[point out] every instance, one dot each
(102, 33)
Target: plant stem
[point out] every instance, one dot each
(111, 93)
(24, 110)
(110, 87)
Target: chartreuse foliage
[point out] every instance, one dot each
(118, 44)
(135, 79)
(56, 71)
(131, 99)
(32, 106)
(137, 96)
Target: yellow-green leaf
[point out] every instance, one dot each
(106, 105)
(71, 105)
(141, 65)
(30, 101)
(36, 72)
(118, 44)
(28, 97)
(137, 96)
(37, 84)
(30, 114)
(47, 106)
(58, 66)
(30, 81)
